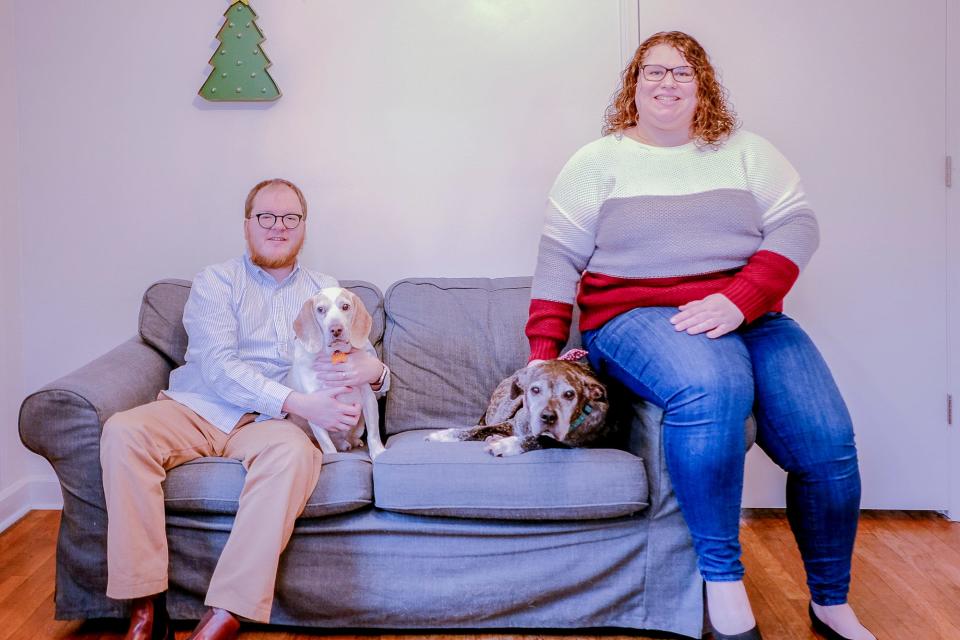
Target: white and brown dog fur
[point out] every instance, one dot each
(334, 319)
(549, 403)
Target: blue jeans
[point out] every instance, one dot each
(707, 388)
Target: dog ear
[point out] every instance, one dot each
(362, 321)
(306, 327)
(519, 384)
(592, 388)
(596, 391)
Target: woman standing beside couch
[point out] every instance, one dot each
(679, 237)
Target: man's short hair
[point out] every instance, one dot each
(248, 207)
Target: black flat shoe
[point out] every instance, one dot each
(749, 634)
(822, 627)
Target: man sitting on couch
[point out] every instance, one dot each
(228, 400)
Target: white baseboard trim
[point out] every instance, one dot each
(32, 492)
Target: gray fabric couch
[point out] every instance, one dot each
(434, 535)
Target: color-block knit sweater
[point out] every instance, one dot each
(630, 225)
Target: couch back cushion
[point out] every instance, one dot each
(161, 314)
(448, 343)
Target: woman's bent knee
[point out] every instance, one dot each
(713, 394)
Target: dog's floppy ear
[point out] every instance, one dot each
(519, 384)
(306, 327)
(592, 388)
(362, 321)
(596, 391)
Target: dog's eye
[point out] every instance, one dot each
(534, 390)
(345, 307)
(569, 394)
(321, 311)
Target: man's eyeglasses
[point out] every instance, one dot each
(290, 220)
(656, 73)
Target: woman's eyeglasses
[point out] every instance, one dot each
(656, 73)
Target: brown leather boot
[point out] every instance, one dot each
(149, 619)
(216, 624)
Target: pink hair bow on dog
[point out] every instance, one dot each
(573, 354)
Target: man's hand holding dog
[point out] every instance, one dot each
(361, 367)
(323, 409)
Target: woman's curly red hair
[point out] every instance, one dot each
(714, 118)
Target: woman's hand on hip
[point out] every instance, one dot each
(715, 314)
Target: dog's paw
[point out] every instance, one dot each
(444, 435)
(376, 450)
(494, 438)
(509, 446)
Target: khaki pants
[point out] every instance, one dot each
(136, 450)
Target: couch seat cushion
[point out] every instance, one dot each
(460, 479)
(213, 485)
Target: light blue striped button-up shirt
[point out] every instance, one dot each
(239, 322)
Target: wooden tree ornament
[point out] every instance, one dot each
(239, 64)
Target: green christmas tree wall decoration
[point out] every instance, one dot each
(239, 64)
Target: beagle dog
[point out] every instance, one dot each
(549, 403)
(331, 324)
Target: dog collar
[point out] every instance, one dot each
(587, 410)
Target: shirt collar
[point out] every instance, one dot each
(265, 277)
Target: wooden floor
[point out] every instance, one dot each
(906, 584)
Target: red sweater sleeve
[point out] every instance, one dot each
(761, 283)
(548, 328)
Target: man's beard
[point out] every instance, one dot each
(288, 259)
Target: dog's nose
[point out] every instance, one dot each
(336, 331)
(548, 417)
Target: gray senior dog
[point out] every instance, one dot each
(549, 403)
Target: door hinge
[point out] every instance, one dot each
(949, 409)
(948, 171)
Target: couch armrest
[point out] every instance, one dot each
(64, 418)
(645, 439)
(62, 422)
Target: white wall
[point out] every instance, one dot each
(393, 120)
(953, 245)
(25, 479)
(425, 135)
(827, 82)
(9, 259)
(430, 129)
